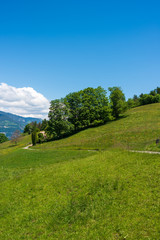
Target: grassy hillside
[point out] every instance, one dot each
(137, 130)
(66, 193)
(9, 146)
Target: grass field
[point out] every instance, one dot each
(60, 190)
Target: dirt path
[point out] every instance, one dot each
(28, 147)
(149, 152)
(136, 151)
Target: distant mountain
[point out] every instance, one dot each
(10, 122)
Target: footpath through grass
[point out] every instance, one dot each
(79, 195)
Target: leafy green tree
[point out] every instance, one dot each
(34, 138)
(95, 105)
(74, 103)
(40, 138)
(34, 134)
(131, 103)
(146, 99)
(3, 138)
(149, 99)
(58, 124)
(135, 97)
(88, 107)
(153, 92)
(117, 100)
(136, 101)
(157, 98)
(157, 90)
(44, 125)
(28, 128)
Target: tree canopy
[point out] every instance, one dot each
(3, 138)
(88, 107)
(58, 123)
(78, 110)
(117, 100)
(144, 99)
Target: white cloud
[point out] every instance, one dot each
(24, 101)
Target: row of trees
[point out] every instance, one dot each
(144, 99)
(34, 125)
(83, 109)
(79, 110)
(86, 108)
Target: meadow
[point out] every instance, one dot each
(88, 186)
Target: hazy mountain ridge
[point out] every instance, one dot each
(10, 122)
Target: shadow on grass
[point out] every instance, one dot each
(13, 145)
(64, 136)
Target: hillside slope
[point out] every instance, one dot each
(137, 130)
(11, 122)
(67, 193)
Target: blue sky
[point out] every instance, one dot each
(57, 47)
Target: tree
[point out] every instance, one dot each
(44, 124)
(117, 101)
(146, 99)
(3, 138)
(135, 98)
(95, 106)
(88, 107)
(157, 90)
(40, 138)
(153, 92)
(58, 124)
(15, 136)
(34, 134)
(28, 129)
(74, 103)
(157, 98)
(149, 99)
(34, 138)
(131, 103)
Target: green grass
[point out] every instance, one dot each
(8, 147)
(38, 158)
(57, 191)
(108, 195)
